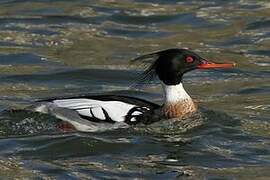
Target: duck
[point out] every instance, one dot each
(103, 112)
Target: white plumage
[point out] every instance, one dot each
(175, 93)
(116, 110)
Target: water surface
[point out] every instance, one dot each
(69, 48)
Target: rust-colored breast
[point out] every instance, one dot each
(178, 109)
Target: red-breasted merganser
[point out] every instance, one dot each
(97, 113)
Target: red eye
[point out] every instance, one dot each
(189, 59)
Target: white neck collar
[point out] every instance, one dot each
(174, 93)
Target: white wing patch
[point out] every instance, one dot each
(116, 110)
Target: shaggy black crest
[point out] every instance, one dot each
(168, 65)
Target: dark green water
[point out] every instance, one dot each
(64, 48)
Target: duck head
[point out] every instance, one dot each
(172, 64)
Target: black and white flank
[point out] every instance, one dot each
(98, 113)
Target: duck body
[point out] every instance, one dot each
(103, 108)
(98, 113)
(90, 113)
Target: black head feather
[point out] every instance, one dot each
(168, 65)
